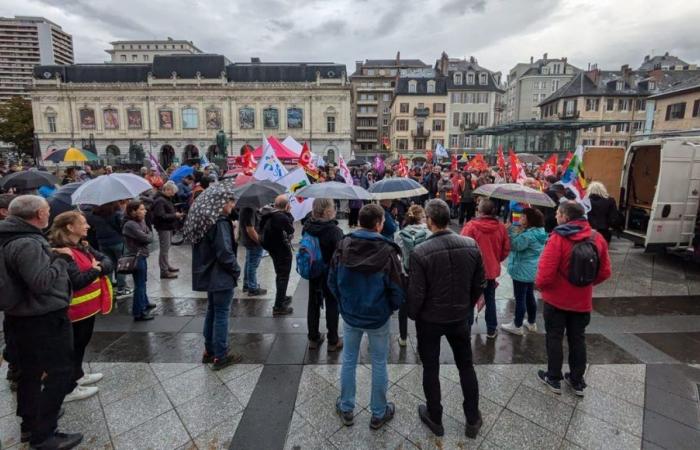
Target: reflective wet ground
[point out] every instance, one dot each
(643, 339)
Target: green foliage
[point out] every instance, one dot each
(17, 125)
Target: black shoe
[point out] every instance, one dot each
(144, 317)
(346, 416)
(313, 345)
(471, 430)
(59, 441)
(553, 385)
(168, 276)
(228, 360)
(282, 310)
(335, 347)
(578, 387)
(287, 300)
(207, 358)
(173, 269)
(256, 292)
(436, 428)
(377, 422)
(151, 306)
(244, 289)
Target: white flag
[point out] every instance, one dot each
(269, 167)
(440, 151)
(293, 181)
(344, 171)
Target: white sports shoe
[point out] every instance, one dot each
(511, 328)
(531, 327)
(402, 342)
(80, 393)
(90, 378)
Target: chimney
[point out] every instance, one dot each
(545, 58)
(593, 73)
(626, 74)
(666, 54)
(472, 60)
(532, 59)
(398, 57)
(564, 60)
(646, 58)
(255, 60)
(358, 66)
(444, 63)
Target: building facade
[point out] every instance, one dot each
(174, 107)
(475, 100)
(373, 85)
(24, 43)
(665, 62)
(677, 108)
(419, 112)
(531, 83)
(134, 52)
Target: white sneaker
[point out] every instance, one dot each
(511, 328)
(531, 327)
(402, 342)
(90, 378)
(80, 393)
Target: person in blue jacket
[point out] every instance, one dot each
(390, 226)
(365, 277)
(526, 244)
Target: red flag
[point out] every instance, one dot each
(454, 166)
(249, 162)
(501, 160)
(429, 156)
(403, 168)
(478, 163)
(549, 167)
(306, 162)
(517, 173)
(567, 160)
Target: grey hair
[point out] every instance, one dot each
(320, 206)
(598, 188)
(169, 185)
(26, 206)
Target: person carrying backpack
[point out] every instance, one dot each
(320, 233)
(574, 259)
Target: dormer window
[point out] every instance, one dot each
(652, 85)
(619, 85)
(458, 78)
(431, 86)
(483, 78)
(412, 86)
(470, 78)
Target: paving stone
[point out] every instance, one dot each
(488, 445)
(191, 384)
(165, 371)
(398, 371)
(208, 410)
(9, 431)
(619, 385)
(219, 437)
(413, 381)
(566, 445)
(672, 379)
(361, 437)
(612, 410)
(591, 433)
(672, 406)
(533, 382)
(546, 411)
(319, 411)
(668, 433)
(514, 431)
(123, 379)
(329, 372)
(516, 372)
(243, 386)
(310, 385)
(164, 432)
(495, 387)
(232, 372)
(452, 406)
(91, 423)
(303, 436)
(127, 413)
(8, 403)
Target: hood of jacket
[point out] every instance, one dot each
(576, 230)
(414, 232)
(368, 251)
(537, 234)
(14, 227)
(316, 227)
(486, 225)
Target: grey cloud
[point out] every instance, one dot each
(94, 12)
(462, 7)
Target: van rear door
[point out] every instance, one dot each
(675, 206)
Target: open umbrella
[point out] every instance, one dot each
(71, 154)
(206, 209)
(516, 192)
(110, 188)
(28, 179)
(242, 179)
(257, 193)
(397, 187)
(529, 158)
(334, 190)
(181, 172)
(63, 194)
(357, 163)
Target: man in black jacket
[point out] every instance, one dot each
(446, 279)
(165, 219)
(277, 228)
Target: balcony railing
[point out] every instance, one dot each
(420, 133)
(421, 112)
(468, 126)
(566, 115)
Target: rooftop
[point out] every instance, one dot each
(36, 19)
(659, 61)
(601, 83)
(688, 84)
(422, 86)
(541, 125)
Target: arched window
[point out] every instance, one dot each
(431, 86)
(167, 156)
(330, 156)
(191, 152)
(271, 118)
(190, 118)
(112, 150)
(458, 78)
(412, 85)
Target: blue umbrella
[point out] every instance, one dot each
(63, 193)
(397, 187)
(181, 172)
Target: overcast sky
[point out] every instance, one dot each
(499, 33)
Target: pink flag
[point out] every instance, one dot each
(154, 164)
(344, 171)
(379, 164)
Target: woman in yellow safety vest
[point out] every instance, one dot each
(92, 292)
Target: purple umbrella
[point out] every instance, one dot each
(515, 192)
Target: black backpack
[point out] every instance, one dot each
(584, 263)
(264, 232)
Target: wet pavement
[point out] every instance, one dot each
(643, 341)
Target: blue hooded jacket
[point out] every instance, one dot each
(525, 251)
(365, 277)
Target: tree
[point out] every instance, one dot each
(17, 125)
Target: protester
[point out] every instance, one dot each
(5, 200)
(492, 238)
(365, 276)
(444, 186)
(430, 182)
(603, 214)
(354, 205)
(277, 229)
(443, 305)
(323, 226)
(138, 237)
(165, 220)
(467, 205)
(249, 219)
(88, 270)
(573, 253)
(526, 243)
(215, 271)
(390, 225)
(456, 194)
(415, 232)
(36, 294)
(106, 226)
(108, 170)
(154, 178)
(184, 189)
(69, 177)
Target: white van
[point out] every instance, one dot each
(659, 191)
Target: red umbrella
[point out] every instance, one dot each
(242, 179)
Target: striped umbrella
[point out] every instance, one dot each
(71, 154)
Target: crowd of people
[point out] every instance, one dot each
(59, 272)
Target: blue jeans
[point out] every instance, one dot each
(490, 306)
(140, 300)
(216, 322)
(253, 255)
(379, 352)
(114, 252)
(524, 300)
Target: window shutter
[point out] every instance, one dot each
(668, 112)
(696, 108)
(681, 113)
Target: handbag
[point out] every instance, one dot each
(127, 264)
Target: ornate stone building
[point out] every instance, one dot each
(175, 107)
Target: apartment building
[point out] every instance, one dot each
(133, 52)
(677, 108)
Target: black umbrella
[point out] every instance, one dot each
(28, 179)
(63, 193)
(357, 163)
(257, 193)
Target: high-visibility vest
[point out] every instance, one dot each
(92, 299)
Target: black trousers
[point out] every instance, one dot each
(8, 353)
(82, 333)
(354, 216)
(556, 322)
(282, 261)
(319, 294)
(44, 345)
(466, 211)
(458, 336)
(403, 321)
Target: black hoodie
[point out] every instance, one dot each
(328, 233)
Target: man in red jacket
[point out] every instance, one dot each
(492, 238)
(567, 307)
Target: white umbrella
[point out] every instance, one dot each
(110, 188)
(516, 192)
(334, 190)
